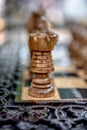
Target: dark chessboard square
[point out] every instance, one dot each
(83, 92)
(56, 74)
(27, 83)
(72, 93)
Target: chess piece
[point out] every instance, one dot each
(41, 66)
(38, 22)
(78, 47)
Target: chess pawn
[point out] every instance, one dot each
(41, 66)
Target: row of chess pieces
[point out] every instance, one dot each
(41, 43)
(78, 47)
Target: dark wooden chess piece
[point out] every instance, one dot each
(41, 66)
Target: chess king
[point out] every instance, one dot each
(41, 44)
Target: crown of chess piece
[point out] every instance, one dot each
(41, 66)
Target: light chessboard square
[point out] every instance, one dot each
(69, 82)
(69, 69)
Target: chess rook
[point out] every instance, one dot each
(42, 65)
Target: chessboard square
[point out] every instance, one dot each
(72, 93)
(70, 69)
(69, 82)
(83, 92)
(65, 74)
(27, 83)
(66, 93)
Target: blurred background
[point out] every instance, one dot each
(68, 18)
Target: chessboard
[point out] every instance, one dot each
(69, 82)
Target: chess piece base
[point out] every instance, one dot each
(41, 92)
